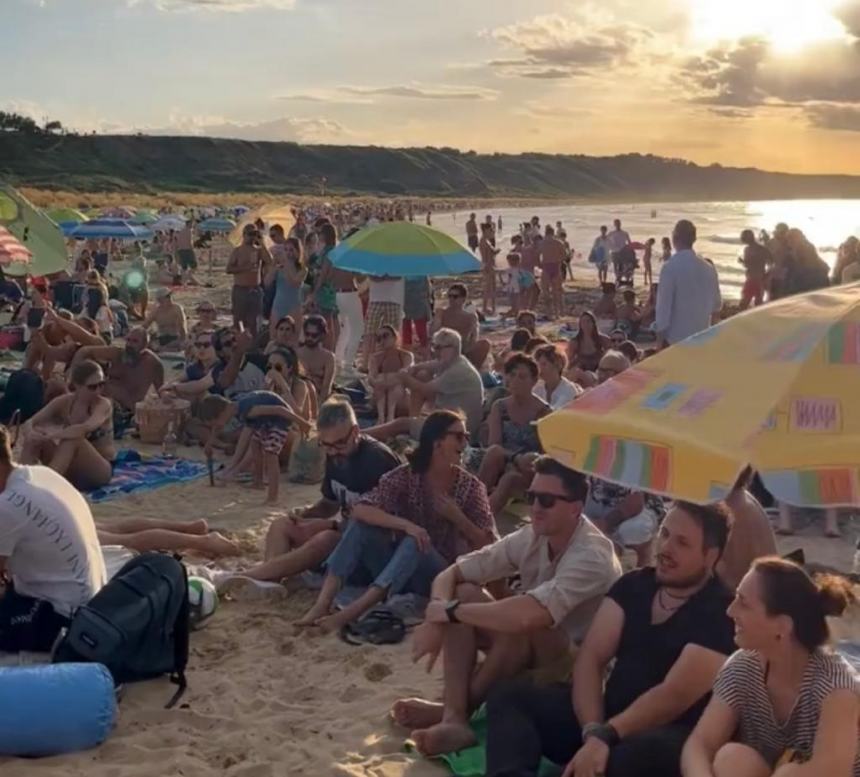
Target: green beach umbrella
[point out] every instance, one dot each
(40, 235)
(399, 248)
(145, 217)
(64, 215)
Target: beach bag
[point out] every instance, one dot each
(25, 394)
(307, 462)
(137, 625)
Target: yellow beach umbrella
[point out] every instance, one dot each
(270, 214)
(777, 387)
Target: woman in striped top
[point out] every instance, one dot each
(783, 704)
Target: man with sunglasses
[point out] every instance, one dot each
(464, 322)
(303, 539)
(565, 565)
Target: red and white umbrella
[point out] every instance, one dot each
(12, 249)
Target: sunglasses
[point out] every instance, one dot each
(455, 296)
(95, 386)
(279, 367)
(337, 444)
(203, 344)
(547, 501)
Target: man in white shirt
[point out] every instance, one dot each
(688, 297)
(50, 557)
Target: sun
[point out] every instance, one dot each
(789, 25)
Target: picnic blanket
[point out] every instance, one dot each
(133, 474)
(472, 762)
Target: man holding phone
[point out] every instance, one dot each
(248, 263)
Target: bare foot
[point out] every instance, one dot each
(196, 527)
(313, 616)
(215, 544)
(331, 623)
(443, 738)
(416, 713)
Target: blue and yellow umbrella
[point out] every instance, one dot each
(399, 248)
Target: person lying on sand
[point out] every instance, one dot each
(145, 534)
(305, 537)
(559, 598)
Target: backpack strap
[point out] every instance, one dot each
(181, 637)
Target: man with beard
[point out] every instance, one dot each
(305, 537)
(318, 361)
(131, 371)
(667, 631)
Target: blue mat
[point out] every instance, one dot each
(134, 474)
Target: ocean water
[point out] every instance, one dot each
(826, 223)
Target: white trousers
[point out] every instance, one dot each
(351, 327)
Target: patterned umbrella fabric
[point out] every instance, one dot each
(776, 387)
(11, 249)
(117, 228)
(168, 222)
(402, 249)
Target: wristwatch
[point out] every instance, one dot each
(605, 732)
(451, 610)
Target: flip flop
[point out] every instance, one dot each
(378, 627)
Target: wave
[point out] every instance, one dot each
(735, 241)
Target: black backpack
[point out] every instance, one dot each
(137, 625)
(24, 394)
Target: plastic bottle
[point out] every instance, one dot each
(168, 447)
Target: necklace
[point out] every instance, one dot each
(682, 600)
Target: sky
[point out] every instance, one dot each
(773, 84)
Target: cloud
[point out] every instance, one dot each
(849, 15)
(223, 6)
(365, 95)
(557, 46)
(834, 117)
(728, 76)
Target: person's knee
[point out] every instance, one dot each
(737, 759)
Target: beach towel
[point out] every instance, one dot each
(134, 474)
(472, 762)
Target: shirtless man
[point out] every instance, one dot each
(318, 361)
(464, 322)
(530, 253)
(185, 252)
(552, 255)
(488, 253)
(169, 319)
(132, 370)
(247, 264)
(472, 232)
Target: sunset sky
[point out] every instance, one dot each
(740, 82)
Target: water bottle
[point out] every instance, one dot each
(855, 568)
(168, 447)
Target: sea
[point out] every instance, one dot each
(826, 223)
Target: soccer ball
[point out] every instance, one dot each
(203, 601)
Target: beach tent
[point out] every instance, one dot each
(273, 213)
(40, 235)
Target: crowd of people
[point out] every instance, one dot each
(618, 634)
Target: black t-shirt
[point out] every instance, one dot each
(648, 651)
(346, 479)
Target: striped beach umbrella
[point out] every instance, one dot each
(11, 249)
(774, 388)
(399, 248)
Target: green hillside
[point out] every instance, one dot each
(149, 164)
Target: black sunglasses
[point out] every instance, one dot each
(547, 501)
(203, 344)
(95, 386)
(337, 444)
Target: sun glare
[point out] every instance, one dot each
(789, 25)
